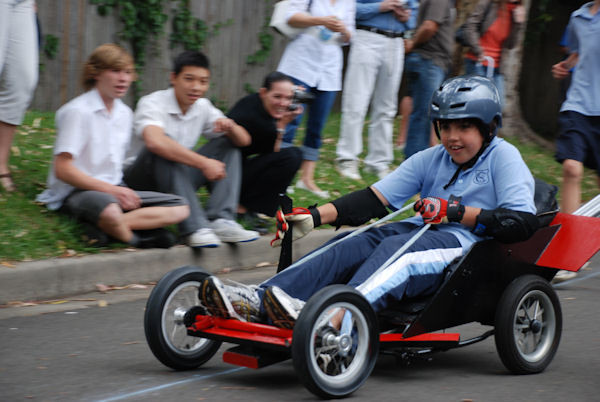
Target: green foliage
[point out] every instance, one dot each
(249, 89)
(143, 22)
(30, 231)
(538, 25)
(51, 46)
(191, 32)
(265, 39)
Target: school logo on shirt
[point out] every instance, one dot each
(481, 177)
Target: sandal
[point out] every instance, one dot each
(7, 183)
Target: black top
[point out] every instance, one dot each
(250, 113)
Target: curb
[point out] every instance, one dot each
(62, 277)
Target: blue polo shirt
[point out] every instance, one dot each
(499, 179)
(367, 13)
(583, 37)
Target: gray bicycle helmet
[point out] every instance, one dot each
(467, 97)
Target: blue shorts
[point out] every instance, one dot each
(579, 139)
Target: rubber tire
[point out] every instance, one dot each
(154, 325)
(506, 311)
(311, 375)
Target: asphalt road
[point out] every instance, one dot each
(92, 348)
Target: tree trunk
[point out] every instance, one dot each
(514, 125)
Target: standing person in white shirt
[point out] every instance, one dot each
(167, 127)
(373, 75)
(85, 181)
(314, 60)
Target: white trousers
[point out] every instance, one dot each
(375, 65)
(18, 58)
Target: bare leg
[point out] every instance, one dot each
(405, 110)
(155, 217)
(7, 133)
(112, 223)
(308, 174)
(571, 186)
(120, 225)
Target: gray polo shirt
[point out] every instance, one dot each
(440, 47)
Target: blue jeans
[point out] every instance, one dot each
(473, 67)
(356, 260)
(318, 112)
(423, 77)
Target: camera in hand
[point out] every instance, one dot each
(300, 96)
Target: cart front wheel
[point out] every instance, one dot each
(333, 362)
(172, 297)
(528, 325)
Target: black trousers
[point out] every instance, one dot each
(264, 177)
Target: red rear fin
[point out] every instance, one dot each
(575, 242)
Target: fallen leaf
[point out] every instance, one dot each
(7, 264)
(131, 343)
(102, 303)
(36, 122)
(15, 151)
(102, 288)
(264, 264)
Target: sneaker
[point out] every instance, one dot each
(237, 301)
(204, 237)
(155, 238)
(252, 221)
(563, 275)
(319, 193)
(282, 309)
(380, 173)
(93, 236)
(232, 232)
(348, 168)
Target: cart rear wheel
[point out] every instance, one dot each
(333, 364)
(528, 325)
(172, 297)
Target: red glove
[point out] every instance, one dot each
(303, 223)
(432, 209)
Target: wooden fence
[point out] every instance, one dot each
(80, 29)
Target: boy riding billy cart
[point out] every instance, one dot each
(472, 249)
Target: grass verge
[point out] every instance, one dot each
(28, 231)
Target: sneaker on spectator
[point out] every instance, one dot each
(93, 236)
(204, 237)
(563, 275)
(348, 168)
(282, 309)
(380, 173)
(236, 300)
(155, 238)
(252, 221)
(232, 232)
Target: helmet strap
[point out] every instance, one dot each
(468, 164)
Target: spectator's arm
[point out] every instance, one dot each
(65, 170)
(162, 145)
(424, 33)
(561, 70)
(236, 133)
(472, 27)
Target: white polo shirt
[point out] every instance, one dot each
(96, 138)
(499, 179)
(161, 109)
